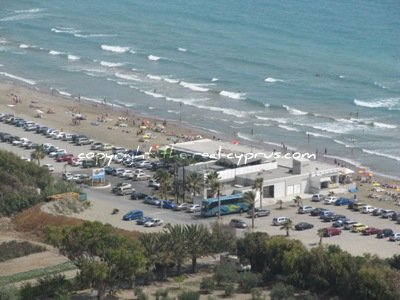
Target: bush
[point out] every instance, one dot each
(248, 281)
(189, 295)
(14, 249)
(140, 295)
(257, 294)
(53, 287)
(282, 291)
(207, 285)
(161, 294)
(225, 273)
(309, 296)
(8, 293)
(229, 289)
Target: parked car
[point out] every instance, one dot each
(119, 185)
(140, 177)
(395, 237)
(371, 231)
(305, 209)
(280, 221)
(133, 215)
(151, 200)
(342, 201)
(330, 200)
(384, 233)
(324, 213)
(49, 167)
(317, 198)
(67, 176)
(387, 213)
(395, 215)
(327, 216)
(124, 190)
(238, 223)
(377, 212)
(259, 212)
(153, 183)
(143, 220)
(167, 204)
(96, 146)
(349, 224)
(138, 196)
(182, 206)
(88, 163)
(117, 171)
(193, 208)
(358, 227)
(357, 206)
(367, 209)
(303, 226)
(154, 222)
(64, 157)
(316, 211)
(331, 231)
(108, 170)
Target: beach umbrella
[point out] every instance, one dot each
(143, 127)
(376, 184)
(39, 111)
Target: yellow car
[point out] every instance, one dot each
(358, 227)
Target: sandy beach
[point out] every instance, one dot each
(105, 123)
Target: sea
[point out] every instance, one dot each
(316, 76)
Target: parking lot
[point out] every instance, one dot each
(104, 202)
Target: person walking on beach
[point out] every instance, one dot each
(308, 137)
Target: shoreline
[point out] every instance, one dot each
(180, 129)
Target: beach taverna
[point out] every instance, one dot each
(284, 176)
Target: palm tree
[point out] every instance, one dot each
(320, 233)
(250, 197)
(177, 244)
(288, 225)
(164, 178)
(280, 202)
(215, 185)
(258, 185)
(38, 153)
(298, 201)
(197, 239)
(194, 181)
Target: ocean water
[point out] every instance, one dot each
(309, 74)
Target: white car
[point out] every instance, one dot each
(49, 167)
(140, 177)
(60, 151)
(330, 200)
(126, 173)
(67, 176)
(193, 208)
(153, 183)
(77, 162)
(367, 209)
(182, 206)
(153, 223)
(59, 136)
(305, 209)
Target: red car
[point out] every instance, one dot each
(331, 231)
(370, 231)
(65, 158)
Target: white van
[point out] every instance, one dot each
(305, 209)
(124, 190)
(105, 147)
(280, 221)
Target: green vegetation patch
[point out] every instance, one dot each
(14, 249)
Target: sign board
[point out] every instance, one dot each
(98, 173)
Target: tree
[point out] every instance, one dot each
(250, 198)
(288, 225)
(298, 201)
(215, 185)
(105, 258)
(320, 233)
(252, 248)
(282, 291)
(223, 238)
(177, 243)
(197, 239)
(280, 202)
(165, 179)
(194, 181)
(38, 154)
(259, 185)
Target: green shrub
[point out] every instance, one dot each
(14, 249)
(225, 273)
(229, 289)
(207, 285)
(8, 293)
(249, 280)
(189, 295)
(47, 287)
(282, 291)
(257, 294)
(161, 294)
(309, 296)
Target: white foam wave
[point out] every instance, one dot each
(170, 80)
(25, 46)
(273, 80)
(110, 64)
(64, 93)
(127, 76)
(182, 49)
(232, 95)
(26, 15)
(93, 35)
(154, 58)
(380, 85)
(384, 125)
(390, 103)
(28, 81)
(115, 49)
(245, 137)
(331, 127)
(342, 76)
(173, 111)
(294, 111)
(227, 111)
(64, 30)
(154, 77)
(214, 79)
(194, 86)
(54, 52)
(92, 99)
(154, 94)
(73, 57)
(278, 120)
(344, 144)
(381, 154)
(151, 107)
(318, 134)
(289, 128)
(262, 124)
